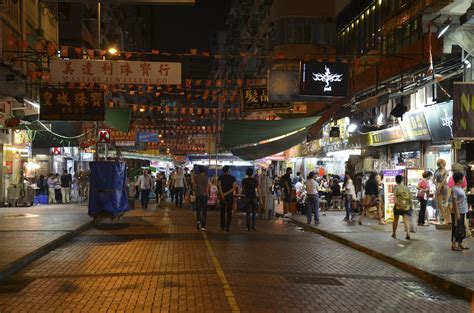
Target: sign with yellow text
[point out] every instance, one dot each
(115, 72)
(256, 99)
(61, 104)
(463, 110)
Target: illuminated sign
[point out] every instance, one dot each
(323, 79)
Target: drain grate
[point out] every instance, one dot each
(14, 286)
(425, 291)
(315, 280)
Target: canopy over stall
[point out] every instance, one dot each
(264, 138)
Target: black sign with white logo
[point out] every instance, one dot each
(439, 118)
(323, 79)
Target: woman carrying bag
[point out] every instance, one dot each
(422, 196)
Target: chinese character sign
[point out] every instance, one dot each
(414, 126)
(147, 136)
(463, 110)
(256, 99)
(115, 72)
(60, 104)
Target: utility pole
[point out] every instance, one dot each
(98, 47)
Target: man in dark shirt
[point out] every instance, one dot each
(249, 188)
(66, 180)
(287, 186)
(202, 193)
(227, 184)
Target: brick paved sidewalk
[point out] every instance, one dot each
(429, 249)
(26, 230)
(156, 261)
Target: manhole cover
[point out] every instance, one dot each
(315, 281)
(14, 286)
(21, 215)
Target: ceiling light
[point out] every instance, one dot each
(142, 109)
(444, 27)
(352, 127)
(160, 135)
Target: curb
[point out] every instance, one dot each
(29, 258)
(454, 288)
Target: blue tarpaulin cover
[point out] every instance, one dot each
(107, 191)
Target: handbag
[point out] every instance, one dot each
(420, 195)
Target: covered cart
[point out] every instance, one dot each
(108, 197)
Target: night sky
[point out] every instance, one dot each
(181, 28)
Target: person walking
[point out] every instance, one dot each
(179, 187)
(403, 205)
(57, 189)
(227, 185)
(458, 213)
(51, 192)
(264, 191)
(202, 193)
(422, 195)
(371, 198)
(145, 183)
(287, 184)
(312, 197)
(350, 195)
(159, 188)
(249, 188)
(171, 182)
(66, 181)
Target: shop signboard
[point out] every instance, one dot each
(115, 72)
(104, 135)
(439, 118)
(414, 126)
(147, 136)
(389, 197)
(387, 136)
(56, 151)
(64, 104)
(121, 136)
(463, 110)
(256, 99)
(323, 79)
(282, 85)
(125, 143)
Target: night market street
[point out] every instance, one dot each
(157, 261)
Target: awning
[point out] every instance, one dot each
(255, 152)
(246, 132)
(118, 118)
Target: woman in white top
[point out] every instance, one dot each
(350, 195)
(312, 197)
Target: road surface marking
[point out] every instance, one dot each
(227, 290)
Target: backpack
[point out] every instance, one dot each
(404, 199)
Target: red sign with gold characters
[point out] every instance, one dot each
(61, 104)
